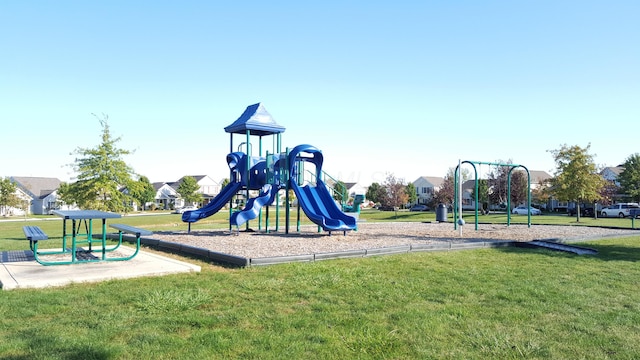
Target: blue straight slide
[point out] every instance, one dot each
(316, 201)
(252, 209)
(321, 208)
(214, 205)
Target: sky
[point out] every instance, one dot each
(407, 88)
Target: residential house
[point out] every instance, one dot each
(166, 196)
(611, 173)
(41, 192)
(426, 187)
(208, 187)
(354, 188)
(538, 178)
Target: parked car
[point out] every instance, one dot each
(620, 210)
(584, 211)
(387, 208)
(522, 210)
(184, 209)
(419, 207)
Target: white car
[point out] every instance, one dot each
(620, 210)
(184, 209)
(522, 210)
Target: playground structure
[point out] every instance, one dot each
(457, 203)
(270, 174)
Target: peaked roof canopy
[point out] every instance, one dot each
(257, 121)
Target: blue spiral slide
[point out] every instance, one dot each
(316, 201)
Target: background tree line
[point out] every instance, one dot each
(576, 179)
(105, 182)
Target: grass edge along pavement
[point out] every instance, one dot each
(489, 303)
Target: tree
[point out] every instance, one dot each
(8, 196)
(142, 191)
(340, 192)
(519, 187)
(188, 189)
(629, 178)
(101, 174)
(444, 195)
(608, 192)
(412, 194)
(541, 194)
(483, 194)
(376, 193)
(499, 186)
(576, 178)
(396, 195)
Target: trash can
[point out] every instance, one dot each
(441, 213)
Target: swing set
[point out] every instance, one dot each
(457, 206)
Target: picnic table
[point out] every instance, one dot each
(82, 240)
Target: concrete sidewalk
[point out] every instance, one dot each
(18, 269)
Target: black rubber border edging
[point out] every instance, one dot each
(239, 261)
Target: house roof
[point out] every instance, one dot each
(436, 181)
(158, 185)
(614, 169)
(539, 176)
(37, 187)
(176, 184)
(469, 184)
(349, 185)
(257, 120)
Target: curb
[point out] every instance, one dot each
(239, 261)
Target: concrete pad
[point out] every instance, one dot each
(18, 269)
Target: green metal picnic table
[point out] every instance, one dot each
(82, 234)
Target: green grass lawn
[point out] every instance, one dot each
(492, 303)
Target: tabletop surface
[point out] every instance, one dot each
(85, 214)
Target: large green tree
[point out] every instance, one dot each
(101, 174)
(576, 177)
(629, 178)
(142, 191)
(188, 189)
(376, 193)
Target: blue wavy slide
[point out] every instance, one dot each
(252, 209)
(316, 201)
(214, 205)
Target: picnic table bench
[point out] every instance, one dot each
(128, 229)
(34, 234)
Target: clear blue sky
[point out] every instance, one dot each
(402, 87)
